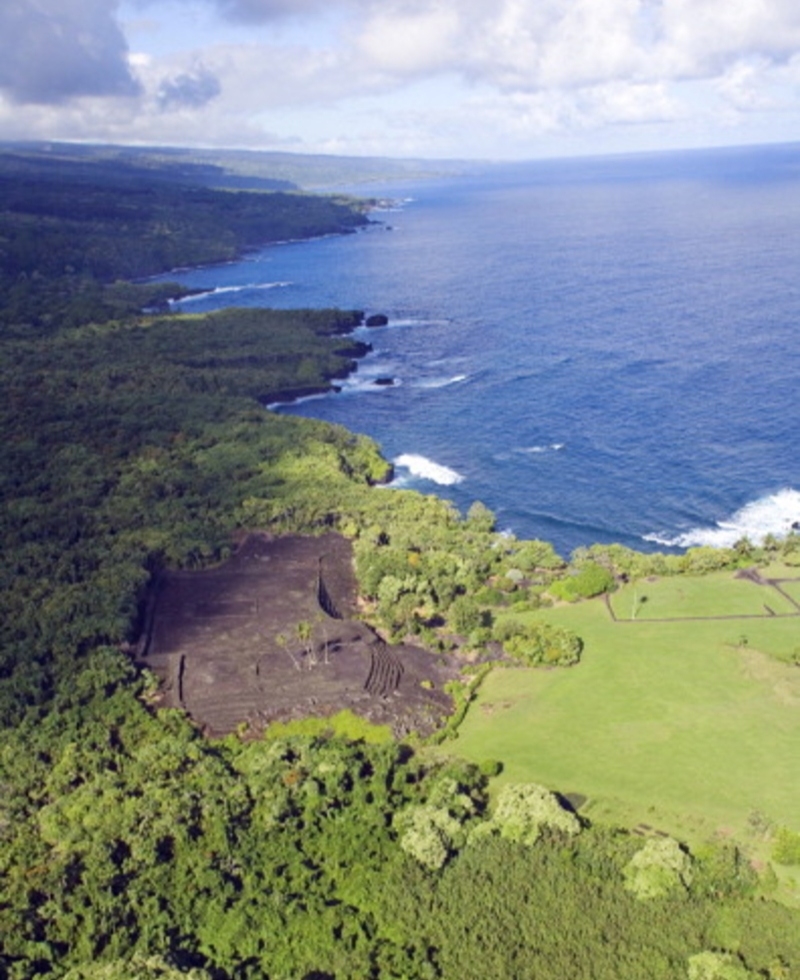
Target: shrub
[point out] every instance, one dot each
(787, 847)
(711, 965)
(660, 867)
(590, 580)
(427, 834)
(491, 767)
(523, 810)
(539, 643)
(465, 615)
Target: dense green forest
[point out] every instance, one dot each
(130, 845)
(70, 233)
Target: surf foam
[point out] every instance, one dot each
(426, 469)
(219, 290)
(774, 514)
(442, 382)
(554, 447)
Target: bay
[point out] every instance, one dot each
(599, 350)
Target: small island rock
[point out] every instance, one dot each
(377, 320)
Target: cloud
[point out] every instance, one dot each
(410, 76)
(744, 86)
(530, 45)
(54, 50)
(257, 11)
(411, 41)
(627, 104)
(701, 38)
(189, 90)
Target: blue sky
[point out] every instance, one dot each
(496, 79)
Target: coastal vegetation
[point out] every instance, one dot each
(69, 237)
(133, 846)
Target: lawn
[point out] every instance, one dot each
(691, 727)
(792, 588)
(720, 594)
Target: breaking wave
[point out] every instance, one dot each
(441, 382)
(426, 469)
(553, 447)
(365, 384)
(775, 514)
(219, 290)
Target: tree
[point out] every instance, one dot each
(522, 812)
(136, 968)
(536, 643)
(589, 580)
(304, 634)
(711, 965)
(283, 643)
(787, 847)
(480, 518)
(465, 615)
(660, 867)
(428, 834)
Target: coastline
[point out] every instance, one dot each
(354, 352)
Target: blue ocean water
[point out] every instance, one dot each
(599, 350)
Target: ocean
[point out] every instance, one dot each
(600, 350)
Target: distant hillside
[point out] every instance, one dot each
(233, 169)
(71, 226)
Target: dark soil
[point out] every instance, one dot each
(225, 643)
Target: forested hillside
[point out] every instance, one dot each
(132, 846)
(69, 234)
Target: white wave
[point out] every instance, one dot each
(388, 205)
(219, 290)
(426, 469)
(554, 447)
(289, 405)
(442, 382)
(414, 322)
(774, 514)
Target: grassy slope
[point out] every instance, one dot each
(673, 724)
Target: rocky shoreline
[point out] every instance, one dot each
(354, 351)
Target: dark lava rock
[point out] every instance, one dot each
(358, 349)
(377, 320)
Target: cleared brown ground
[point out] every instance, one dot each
(226, 644)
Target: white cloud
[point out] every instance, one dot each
(700, 38)
(524, 70)
(406, 41)
(745, 85)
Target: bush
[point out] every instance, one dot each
(660, 867)
(539, 643)
(522, 812)
(787, 847)
(590, 580)
(710, 965)
(465, 615)
(428, 834)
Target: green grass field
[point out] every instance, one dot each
(715, 595)
(793, 589)
(690, 726)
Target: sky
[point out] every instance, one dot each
(464, 79)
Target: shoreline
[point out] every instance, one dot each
(354, 352)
